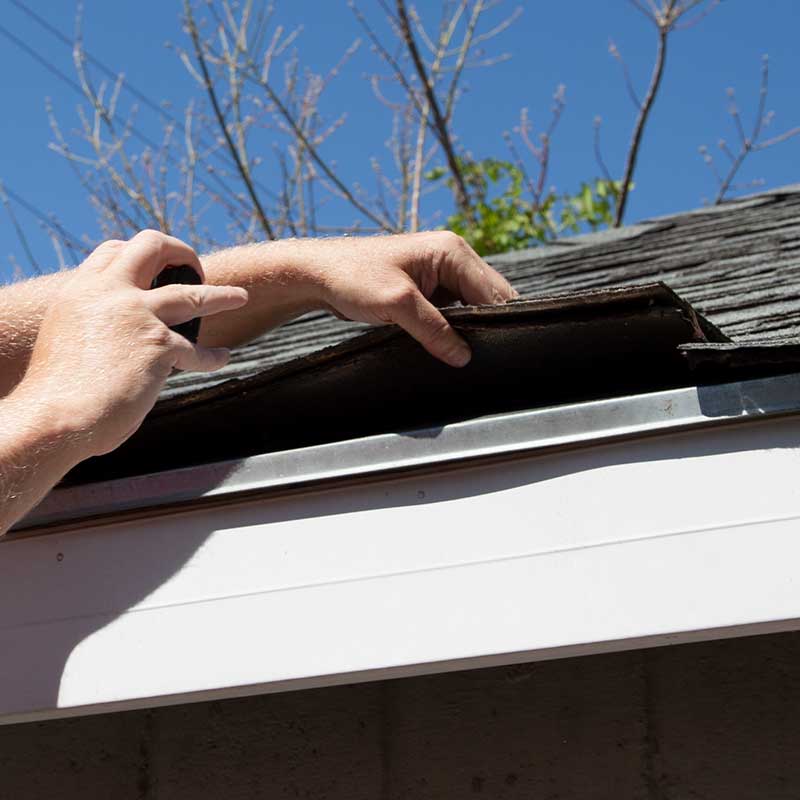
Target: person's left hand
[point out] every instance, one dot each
(391, 280)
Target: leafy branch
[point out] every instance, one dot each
(504, 219)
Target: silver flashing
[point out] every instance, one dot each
(522, 432)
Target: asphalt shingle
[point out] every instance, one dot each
(738, 264)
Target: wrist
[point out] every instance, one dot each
(38, 446)
(313, 268)
(288, 269)
(283, 282)
(304, 269)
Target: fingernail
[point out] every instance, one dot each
(461, 357)
(223, 355)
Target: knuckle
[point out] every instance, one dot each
(150, 235)
(194, 296)
(109, 245)
(151, 239)
(440, 330)
(158, 336)
(449, 240)
(448, 252)
(401, 296)
(101, 255)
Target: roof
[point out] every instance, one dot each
(738, 264)
(599, 317)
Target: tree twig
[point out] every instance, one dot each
(748, 144)
(447, 31)
(312, 151)
(665, 15)
(463, 52)
(23, 239)
(440, 125)
(614, 50)
(641, 121)
(212, 96)
(598, 151)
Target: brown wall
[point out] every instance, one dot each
(712, 720)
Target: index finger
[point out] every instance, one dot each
(149, 252)
(179, 303)
(429, 327)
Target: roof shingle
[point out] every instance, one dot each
(738, 264)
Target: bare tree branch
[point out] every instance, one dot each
(463, 52)
(612, 48)
(638, 129)
(665, 14)
(747, 144)
(23, 239)
(314, 154)
(598, 151)
(212, 96)
(446, 34)
(440, 125)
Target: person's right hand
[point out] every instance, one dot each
(104, 348)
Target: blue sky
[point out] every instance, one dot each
(552, 43)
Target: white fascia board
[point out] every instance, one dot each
(663, 539)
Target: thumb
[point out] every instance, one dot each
(426, 324)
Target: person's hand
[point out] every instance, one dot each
(391, 279)
(104, 348)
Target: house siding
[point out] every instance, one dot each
(708, 720)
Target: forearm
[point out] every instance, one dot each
(281, 281)
(276, 274)
(380, 280)
(37, 448)
(22, 306)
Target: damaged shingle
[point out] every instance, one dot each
(738, 264)
(526, 354)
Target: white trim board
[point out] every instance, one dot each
(652, 541)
